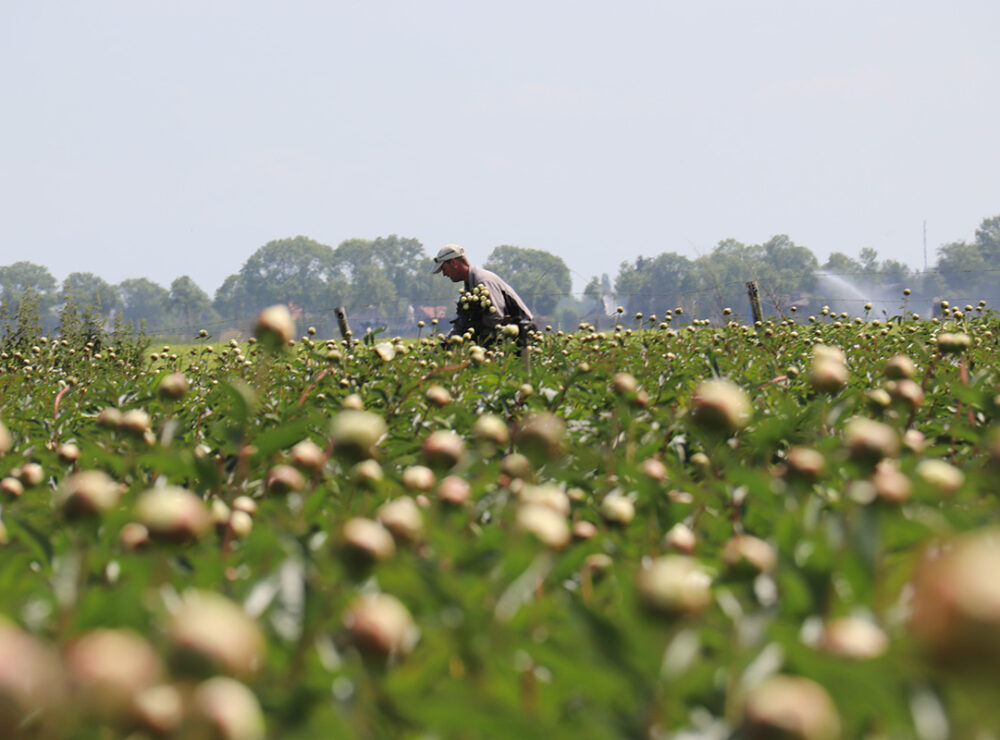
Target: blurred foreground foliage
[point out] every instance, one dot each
(603, 546)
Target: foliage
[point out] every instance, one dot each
(189, 303)
(655, 285)
(87, 290)
(539, 277)
(298, 270)
(523, 631)
(20, 277)
(144, 302)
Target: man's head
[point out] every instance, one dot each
(452, 262)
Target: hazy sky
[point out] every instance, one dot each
(143, 138)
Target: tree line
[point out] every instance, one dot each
(790, 275)
(387, 281)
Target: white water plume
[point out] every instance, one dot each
(843, 296)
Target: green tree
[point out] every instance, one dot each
(18, 277)
(405, 265)
(788, 270)
(26, 280)
(364, 280)
(893, 271)
(143, 301)
(725, 272)
(968, 270)
(656, 285)
(594, 292)
(231, 299)
(868, 258)
(299, 271)
(988, 240)
(539, 277)
(189, 302)
(964, 268)
(840, 264)
(391, 273)
(88, 291)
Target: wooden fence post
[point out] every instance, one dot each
(754, 301)
(345, 330)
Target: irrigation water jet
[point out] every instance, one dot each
(843, 296)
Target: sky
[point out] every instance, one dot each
(145, 138)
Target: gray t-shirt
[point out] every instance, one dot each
(510, 307)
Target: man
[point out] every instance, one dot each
(504, 306)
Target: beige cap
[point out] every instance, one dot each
(447, 252)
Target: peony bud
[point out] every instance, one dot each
(541, 436)
(353, 402)
(381, 626)
(625, 384)
(307, 454)
(545, 524)
(109, 418)
(87, 493)
(899, 367)
(793, 707)
(438, 395)
(174, 386)
(548, 495)
(367, 471)
(418, 478)
(136, 422)
(491, 428)
(369, 539)
(172, 513)
(210, 632)
(275, 327)
(230, 709)
(890, 484)
(854, 638)
(443, 448)
(31, 683)
(942, 477)
(240, 524)
(869, 441)
(617, 509)
(160, 708)
(953, 343)
(284, 479)
(110, 667)
(681, 538)
(584, 530)
(745, 552)
(245, 504)
(356, 433)
(12, 486)
(68, 452)
(955, 608)
(454, 490)
(32, 474)
(517, 465)
(805, 462)
(653, 469)
(134, 536)
(906, 391)
(401, 517)
(828, 371)
(720, 406)
(674, 585)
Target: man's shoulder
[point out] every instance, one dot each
(481, 275)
